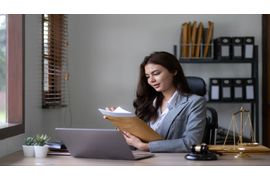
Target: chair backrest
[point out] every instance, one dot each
(197, 86)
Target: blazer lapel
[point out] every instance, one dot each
(169, 118)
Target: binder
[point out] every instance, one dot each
(188, 43)
(193, 38)
(238, 89)
(250, 94)
(208, 40)
(214, 93)
(199, 41)
(223, 48)
(237, 48)
(248, 47)
(226, 89)
(184, 40)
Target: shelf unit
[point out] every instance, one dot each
(254, 75)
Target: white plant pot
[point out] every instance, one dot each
(28, 151)
(41, 151)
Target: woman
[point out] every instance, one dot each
(164, 101)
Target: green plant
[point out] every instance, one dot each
(41, 140)
(29, 141)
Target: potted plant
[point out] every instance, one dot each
(28, 147)
(41, 147)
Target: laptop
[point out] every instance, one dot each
(99, 144)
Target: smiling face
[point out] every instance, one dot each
(159, 78)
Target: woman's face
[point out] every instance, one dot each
(159, 77)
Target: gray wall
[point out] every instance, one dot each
(104, 55)
(106, 50)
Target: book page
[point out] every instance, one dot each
(118, 112)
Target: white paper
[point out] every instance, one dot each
(118, 112)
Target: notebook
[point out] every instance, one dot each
(99, 144)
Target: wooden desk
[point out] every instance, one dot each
(160, 159)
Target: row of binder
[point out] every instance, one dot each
(195, 40)
(227, 48)
(231, 89)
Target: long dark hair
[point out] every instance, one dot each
(146, 94)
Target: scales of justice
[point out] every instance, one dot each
(244, 124)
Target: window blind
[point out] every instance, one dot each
(54, 60)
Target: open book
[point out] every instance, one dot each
(127, 121)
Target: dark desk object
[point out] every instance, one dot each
(201, 152)
(57, 146)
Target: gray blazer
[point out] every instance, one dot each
(183, 126)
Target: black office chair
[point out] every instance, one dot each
(198, 86)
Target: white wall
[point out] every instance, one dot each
(106, 50)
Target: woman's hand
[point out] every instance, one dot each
(135, 142)
(110, 108)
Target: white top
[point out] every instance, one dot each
(161, 115)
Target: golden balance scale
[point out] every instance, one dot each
(244, 123)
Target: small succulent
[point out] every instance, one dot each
(41, 140)
(29, 141)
